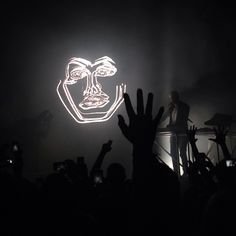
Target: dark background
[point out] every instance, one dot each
(156, 46)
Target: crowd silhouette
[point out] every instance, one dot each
(73, 200)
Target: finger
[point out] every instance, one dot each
(123, 126)
(148, 110)
(159, 115)
(128, 106)
(140, 106)
(121, 121)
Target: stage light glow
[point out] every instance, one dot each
(93, 107)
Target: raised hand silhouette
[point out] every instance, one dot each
(191, 134)
(107, 147)
(220, 134)
(142, 127)
(155, 187)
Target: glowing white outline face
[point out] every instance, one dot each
(93, 96)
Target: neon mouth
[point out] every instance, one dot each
(94, 101)
(94, 106)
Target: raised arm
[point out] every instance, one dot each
(140, 131)
(220, 134)
(192, 140)
(106, 147)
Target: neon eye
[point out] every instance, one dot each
(75, 74)
(78, 74)
(104, 71)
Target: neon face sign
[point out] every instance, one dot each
(92, 104)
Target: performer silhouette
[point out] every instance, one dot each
(178, 112)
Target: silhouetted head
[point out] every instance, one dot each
(174, 96)
(116, 173)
